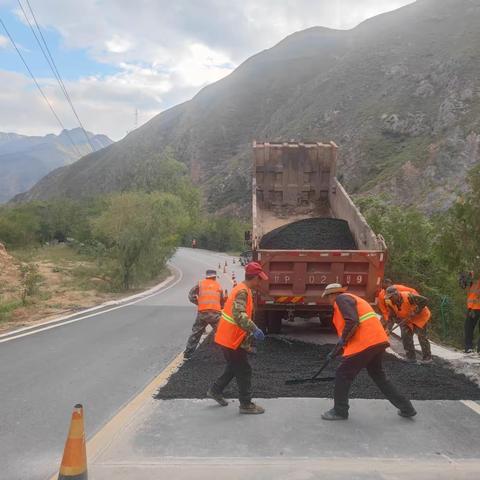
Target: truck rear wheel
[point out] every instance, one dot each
(274, 322)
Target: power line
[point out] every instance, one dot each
(57, 74)
(53, 67)
(38, 87)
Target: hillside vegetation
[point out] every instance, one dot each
(399, 94)
(63, 255)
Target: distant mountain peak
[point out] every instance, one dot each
(25, 159)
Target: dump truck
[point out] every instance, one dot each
(307, 233)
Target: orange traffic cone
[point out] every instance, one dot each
(74, 461)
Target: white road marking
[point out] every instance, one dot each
(472, 405)
(142, 295)
(61, 324)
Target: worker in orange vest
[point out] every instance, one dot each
(473, 309)
(382, 306)
(411, 313)
(235, 333)
(209, 298)
(363, 342)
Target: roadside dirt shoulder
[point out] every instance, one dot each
(66, 284)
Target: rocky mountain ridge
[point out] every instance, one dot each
(26, 159)
(400, 95)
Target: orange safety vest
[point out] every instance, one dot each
(229, 334)
(381, 297)
(209, 295)
(369, 331)
(473, 296)
(406, 309)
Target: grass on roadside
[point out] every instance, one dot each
(7, 307)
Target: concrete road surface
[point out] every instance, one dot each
(185, 439)
(101, 361)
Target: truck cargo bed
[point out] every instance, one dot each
(294, 186)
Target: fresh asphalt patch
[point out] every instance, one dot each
(278, 360)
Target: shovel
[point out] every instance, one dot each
(296, 381)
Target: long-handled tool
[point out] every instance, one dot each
(296, 381)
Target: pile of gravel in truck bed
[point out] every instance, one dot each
(310, 234)
(277, 361)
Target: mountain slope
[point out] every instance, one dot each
(399, 94)
(24, 160)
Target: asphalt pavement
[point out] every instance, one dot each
(101, 361)
(107, 359)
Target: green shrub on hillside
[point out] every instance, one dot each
(140, 233)
(220, 234)
(429, 253)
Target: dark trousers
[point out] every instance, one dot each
(238, 367)
(473, 317)
(350, 367)
(407, 340)
(203, 319)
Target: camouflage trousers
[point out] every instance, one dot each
(208, 317)
(407, 340)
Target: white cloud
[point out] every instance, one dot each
(105, 104)
(164, 51)
(201, 65)
(3, 42)
(118, 44)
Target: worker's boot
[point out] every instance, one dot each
(217, 397)
(426, 361)
(251, 409)
(333, 415)
(187, 354)
(407, 413)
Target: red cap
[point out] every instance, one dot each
(254, 268)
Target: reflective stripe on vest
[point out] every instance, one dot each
(209, 295)
(473, 297)
(366, 316)
(228, 333)
(369, 331)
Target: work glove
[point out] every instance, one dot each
(258, 335)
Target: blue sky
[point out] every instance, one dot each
(119, 56)
(74, 62)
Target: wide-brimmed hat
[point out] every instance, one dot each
(333, 288)
(211, 274)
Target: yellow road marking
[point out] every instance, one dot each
(103, 438)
